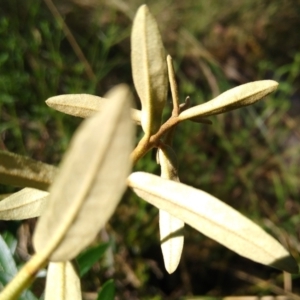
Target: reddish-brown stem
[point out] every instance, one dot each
(173, 85)
(146, 144)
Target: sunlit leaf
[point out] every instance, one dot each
(242, 95)
(83, 105)
(62, 282)
(27, 203)
(91, 180)
(23, 171)
(170, 227)
(149, 69)
(213, 218)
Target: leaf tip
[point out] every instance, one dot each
(273, 85)
(49, 101)
(287, 263)
(143, 7)
(53, 101)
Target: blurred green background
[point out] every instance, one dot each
(249, 158)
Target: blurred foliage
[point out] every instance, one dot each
(248, 158)
(8, 267)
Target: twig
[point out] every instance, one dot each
(147, 143)
(173, 85)
(274, 288)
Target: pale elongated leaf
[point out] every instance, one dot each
(91, 180)
(18, 170)
(213, 218)
(149, 69)
(171, 228)
(84, 105)
(3, 196)
(27, 203)
(62, 282)
(242, 95)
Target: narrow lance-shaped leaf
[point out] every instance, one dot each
(9, 270)
(27, 203)
(84, 105)
(18, 170)
(89, 257)
(213, 218)
(242, 95)
(7, 264)
(149, 69)
(62, 282)
(107, 291)
(91, 180)
(171, 228)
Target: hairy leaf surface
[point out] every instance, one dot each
(213, 218)
(18, 170)
(170, 227)
(149, 69)
(62, 282)
(27, 203)
(91, 180)
(242, 95)
(83, 105)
